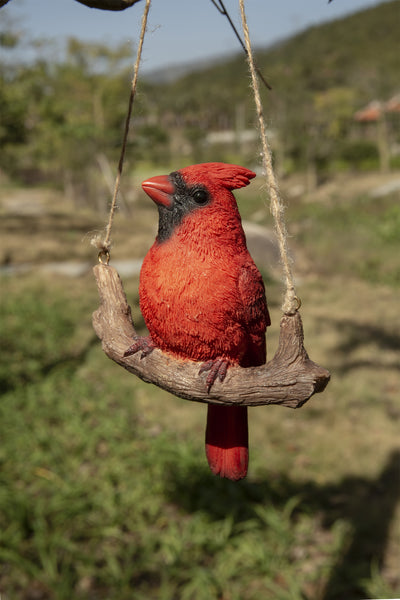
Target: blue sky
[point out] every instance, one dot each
(180, 31)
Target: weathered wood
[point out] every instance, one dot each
(289, 379)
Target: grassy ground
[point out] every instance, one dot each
(105, 492)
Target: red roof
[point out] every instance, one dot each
(373, 111)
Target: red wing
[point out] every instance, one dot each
(255, 316)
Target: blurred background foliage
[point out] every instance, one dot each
(58, 113)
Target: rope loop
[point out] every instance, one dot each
(104, 257)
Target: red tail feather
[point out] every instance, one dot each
(227, 441)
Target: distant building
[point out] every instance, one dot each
(376, 109)
(379, 122)
(370, 113)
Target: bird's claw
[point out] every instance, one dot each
(141, 344)
(217, 368)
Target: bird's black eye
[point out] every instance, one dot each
(200, 196)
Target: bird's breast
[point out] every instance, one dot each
(190, 302)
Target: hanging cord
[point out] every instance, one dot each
(291, 302)
(104, 245)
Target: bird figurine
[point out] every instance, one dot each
(201, 295)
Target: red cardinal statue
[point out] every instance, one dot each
(201, 295)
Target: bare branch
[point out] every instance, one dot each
(219, 5)
(289, 379)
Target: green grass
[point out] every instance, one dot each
(104, 488)
(98, 500)
(94, 502)
(356, 237)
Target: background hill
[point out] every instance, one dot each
(319, 77)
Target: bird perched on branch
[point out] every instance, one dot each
(201, 295)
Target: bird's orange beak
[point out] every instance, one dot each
(160, 189)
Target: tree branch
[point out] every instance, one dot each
(289, 379)
(108, 4)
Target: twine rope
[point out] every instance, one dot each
(291, 302)
(104, 245)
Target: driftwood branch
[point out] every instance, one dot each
(289, 379)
